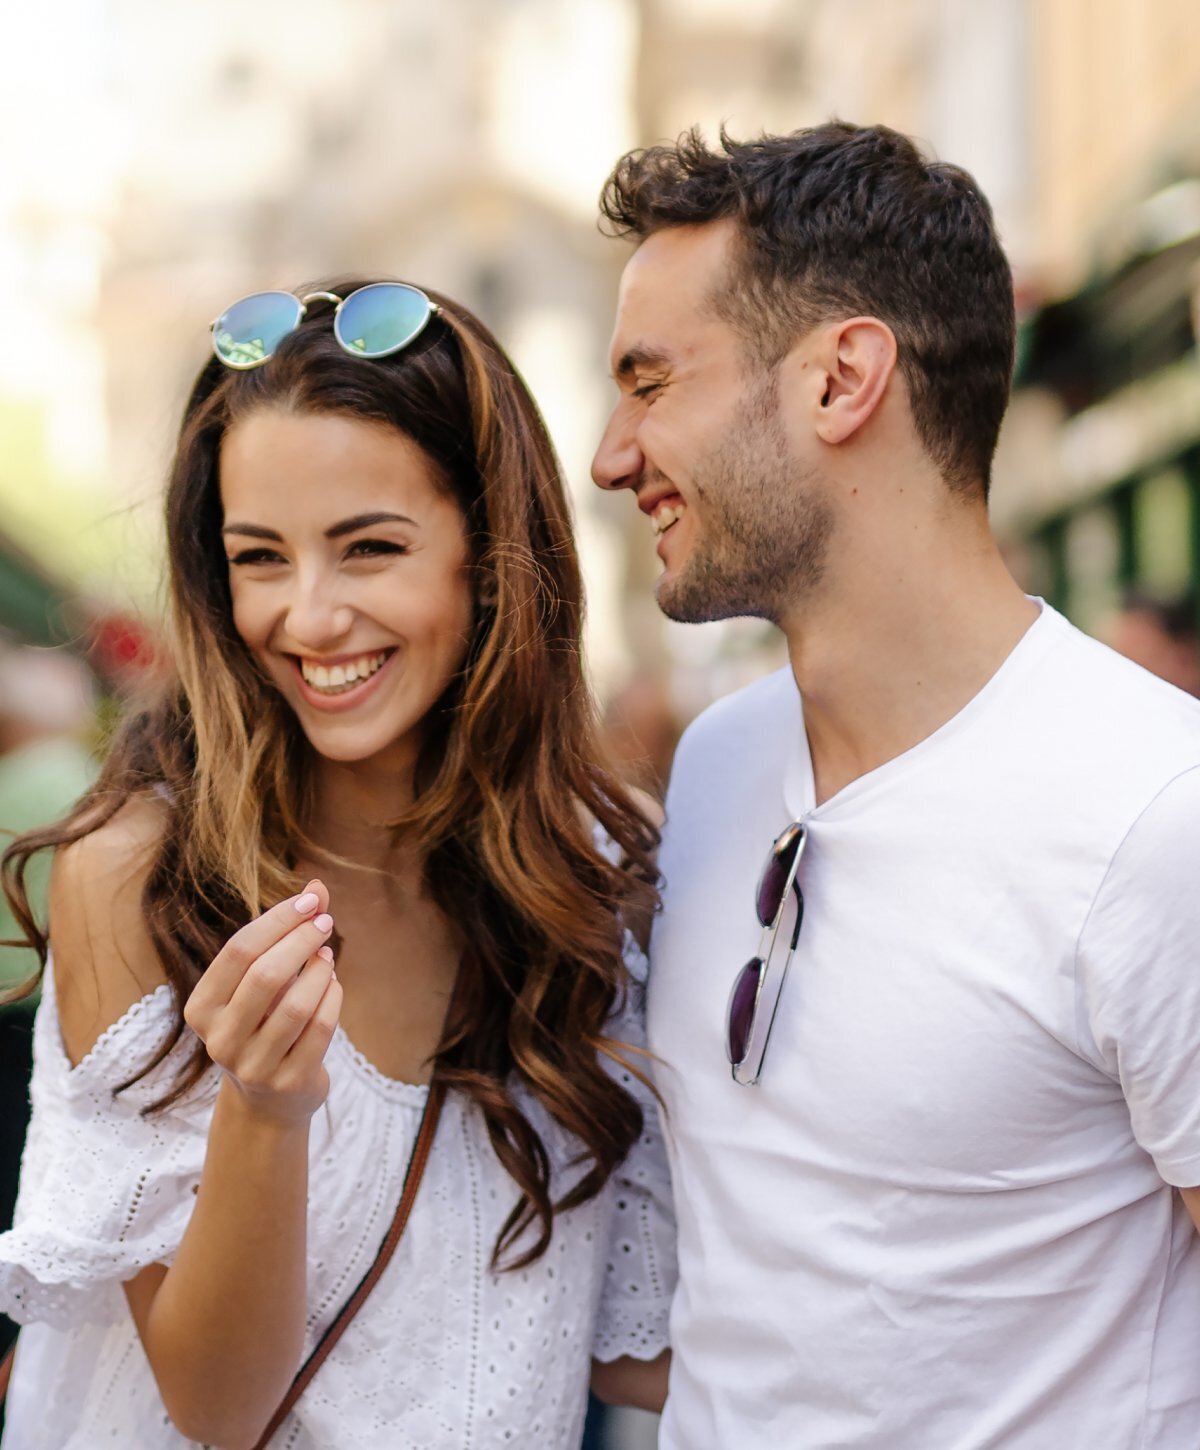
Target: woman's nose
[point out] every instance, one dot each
(317, 614)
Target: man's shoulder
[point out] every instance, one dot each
(1093, 741)
(763, 704)
(1120, 706)
(727, 752)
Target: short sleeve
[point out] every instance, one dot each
(106, 1188)
(639, 1268)
(1138, 973)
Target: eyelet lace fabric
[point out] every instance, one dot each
(444, 1353)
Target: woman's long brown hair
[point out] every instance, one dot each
(508, 785)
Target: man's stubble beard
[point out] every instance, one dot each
(766, 526)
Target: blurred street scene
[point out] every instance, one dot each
(160, 161)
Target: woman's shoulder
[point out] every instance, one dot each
(104, 956)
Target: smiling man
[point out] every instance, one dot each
(931, 1074)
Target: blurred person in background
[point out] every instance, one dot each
(47, 714)
(641, 731)
(937, 1185)
(1160, 635)
(378, 718)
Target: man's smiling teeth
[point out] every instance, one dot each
(335, 678)
(665, 515)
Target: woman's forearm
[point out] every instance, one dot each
(641, 1384)
(223, 1327)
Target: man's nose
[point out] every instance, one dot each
(619, 461)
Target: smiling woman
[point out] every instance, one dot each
(356, 602)
(357, 858)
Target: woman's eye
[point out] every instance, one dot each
(256, 556)
(374, 548)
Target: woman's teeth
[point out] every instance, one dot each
(334, 679)
(664, 517)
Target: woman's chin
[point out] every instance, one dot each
(358, 748)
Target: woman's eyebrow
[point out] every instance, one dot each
(335, 531)
(367, 521)
(254, 531)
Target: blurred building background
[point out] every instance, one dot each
(161, 160)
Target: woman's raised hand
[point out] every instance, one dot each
(267, 1007)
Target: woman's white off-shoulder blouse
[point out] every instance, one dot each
(445, 1353)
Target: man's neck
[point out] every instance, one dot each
(889, 654)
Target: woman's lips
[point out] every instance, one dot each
(345, 699)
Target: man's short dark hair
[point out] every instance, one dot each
(843, 221)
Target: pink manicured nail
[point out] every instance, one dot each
(326, 952)
(324, 922)
(306, 903)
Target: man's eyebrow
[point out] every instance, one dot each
(639, 356)
(337, 531)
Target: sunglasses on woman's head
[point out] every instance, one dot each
(372, 322)
(775, 885)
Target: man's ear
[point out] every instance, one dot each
(858, 357)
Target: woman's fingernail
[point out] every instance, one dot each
(326, 952)
(306, 903)
(324, 922)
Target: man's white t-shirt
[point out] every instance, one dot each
(941, 1221)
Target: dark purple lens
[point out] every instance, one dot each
(742, 1001)
(773, 880)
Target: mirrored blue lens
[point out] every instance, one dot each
(381, 319)
(248, 333)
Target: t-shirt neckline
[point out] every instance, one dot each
(799, 787)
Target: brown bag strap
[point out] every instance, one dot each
(6, 1365)
(412, 1181)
